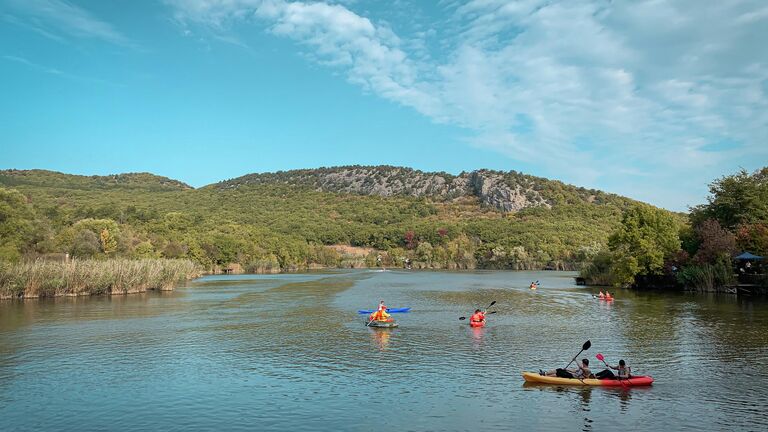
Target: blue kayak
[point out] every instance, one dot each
(390, 310)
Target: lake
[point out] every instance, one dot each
(289, 352)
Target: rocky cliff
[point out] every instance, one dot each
(505, 191)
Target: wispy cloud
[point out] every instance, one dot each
(58, 18)
(54, 71)
(38, 67)
(588, 89)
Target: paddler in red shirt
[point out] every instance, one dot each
(478, 317)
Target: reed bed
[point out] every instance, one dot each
(92, 277)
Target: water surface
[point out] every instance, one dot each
(289, 352)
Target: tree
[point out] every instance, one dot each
(108, 242)
(714, 242)
(424, 252)
(85, 244)
(144, 250)
(409, 239)
(753, 238)
(737, 199)
(646, 237)
(17, 224)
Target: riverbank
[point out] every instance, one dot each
(93, 277)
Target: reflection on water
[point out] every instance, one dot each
(381, 337)
(289, 351)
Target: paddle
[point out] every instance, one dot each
(489, 306)
(487, 313)
(584, 347)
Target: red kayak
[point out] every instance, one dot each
(477, 323)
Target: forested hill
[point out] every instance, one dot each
(43, 178)
(346, 216)
(506, 191)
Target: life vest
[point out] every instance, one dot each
(478, 317)
(379, 315)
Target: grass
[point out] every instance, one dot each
(92, 277)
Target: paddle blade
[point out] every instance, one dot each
(462, 318)
(491, 312)
(600, 357)
(492, 303)
(586, 345)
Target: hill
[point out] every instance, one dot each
(302, 218)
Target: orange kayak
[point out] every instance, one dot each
(635, 381)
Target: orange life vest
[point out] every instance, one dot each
(478, 317)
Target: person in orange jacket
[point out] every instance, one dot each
(478, 316)
(380, 314)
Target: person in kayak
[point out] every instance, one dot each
(601, 295)
(477, 317)
(580, 372)
(622, 371)
(608, 296)
(380, 314)
(534, 285)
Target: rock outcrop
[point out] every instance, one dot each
(505, 192)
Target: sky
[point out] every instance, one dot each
(649, 99)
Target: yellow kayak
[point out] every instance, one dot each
(639, 380)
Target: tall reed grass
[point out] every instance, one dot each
(90, 277)
(707, 277)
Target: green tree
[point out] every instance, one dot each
(737, 199)
(645, 238)
(17, 224)
(108, 242)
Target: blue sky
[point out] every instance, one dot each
(649, 99)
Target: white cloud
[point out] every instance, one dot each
(58, 16)
(588, 89)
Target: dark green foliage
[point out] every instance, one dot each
(736, 200)
(707, 276)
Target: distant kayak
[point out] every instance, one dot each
(477, 323)
(391, 310)
(635, 381)
(381, 324)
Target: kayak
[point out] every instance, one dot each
(381, 324)
(389, 310)
(635, 381)
(477, 323)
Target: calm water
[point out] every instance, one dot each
(289, 352)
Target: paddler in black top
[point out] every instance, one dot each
(581, 372)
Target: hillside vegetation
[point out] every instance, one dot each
(291, 220)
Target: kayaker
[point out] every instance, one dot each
(581, 372)
(477, 317)
(380, 314)
(608, 296)
(622, 370)
(601, 295)
(533, 285)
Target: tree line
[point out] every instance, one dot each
(652, 248)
